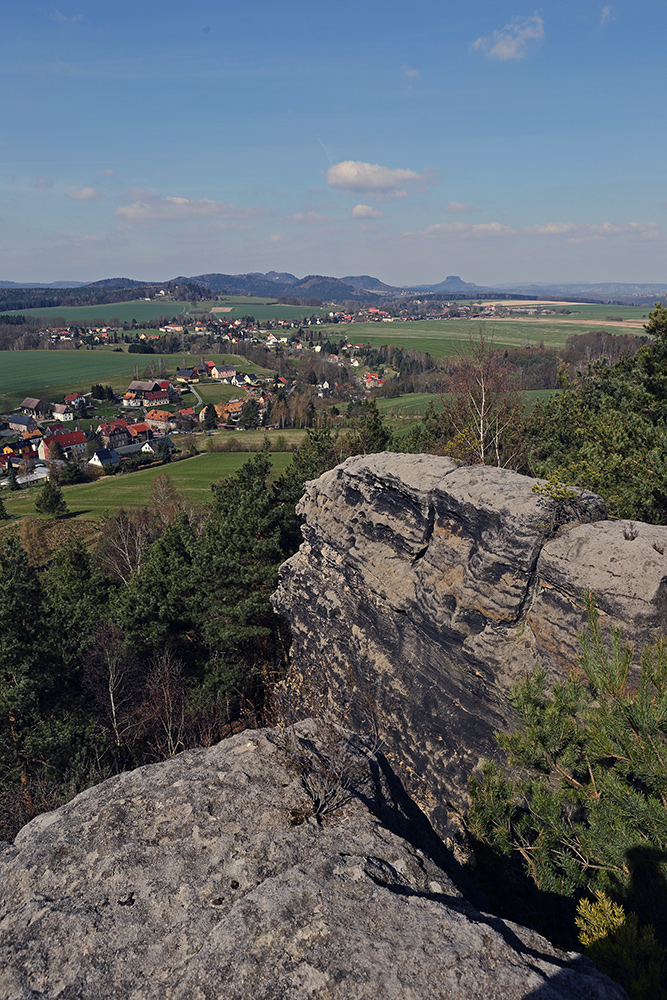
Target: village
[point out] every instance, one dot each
(65, 438)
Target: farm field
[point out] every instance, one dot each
(192, 477)
(253, 440)
(444, 338)
(412, 406)
(231, 307)
(52, 374)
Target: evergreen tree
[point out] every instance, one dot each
(584, 803)
(4, 516)
(50, 500)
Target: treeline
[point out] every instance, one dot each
(100, 293)
(160, 638)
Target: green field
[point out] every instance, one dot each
(413, 405)
(234, 306)
(444, 338)
(191, 477)
(52, 374)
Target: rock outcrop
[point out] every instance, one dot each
(433, 586)
(208, 876)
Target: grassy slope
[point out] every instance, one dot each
(235, 307)
(52, 374)
(192, 477)
(443, 338)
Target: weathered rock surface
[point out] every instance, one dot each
(206, 877)
(434, 586)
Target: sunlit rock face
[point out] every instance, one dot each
(429, 588)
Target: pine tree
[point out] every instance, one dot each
(50, 500)
(584, 800)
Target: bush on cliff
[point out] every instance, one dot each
(582, 804)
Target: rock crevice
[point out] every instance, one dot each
(434, 586)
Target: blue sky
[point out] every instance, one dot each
(504, 142)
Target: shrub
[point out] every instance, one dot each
(582, 803)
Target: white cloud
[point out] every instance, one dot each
(573, 232)
(409, 74)
(107, 172)
(605, 15)
(60, 18)
(149, 209)
(84, 194)
(357, 176)
(457, 206)
(366, 212)
(310, 218)
(43, 183)
(514, 40)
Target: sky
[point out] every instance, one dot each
(497, 141)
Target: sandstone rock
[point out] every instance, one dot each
(434, 586)
(207, 877)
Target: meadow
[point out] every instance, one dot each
(447, 338)
(412, 406)
(192, 477)
(52, 374)
(230, 307)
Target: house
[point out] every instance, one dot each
(159, 420)
(22, 422)
(223, 372)
(131, 399)
(160, 397)
(186, 375)
(104, 458)
(154, 446)
(63, 412)
(73, 444)
(34, 437)
(114, 433)
(36, 407)
(75, 398)
(140, 432)
(231, 411)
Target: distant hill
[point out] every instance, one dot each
(361, 288)
(369, 284)
(274, 284)
(41, 284)
(610, 291)
(453, 283)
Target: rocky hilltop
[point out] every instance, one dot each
(213, 876)
(430, 587)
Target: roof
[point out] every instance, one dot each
(139, 386)
(67, 439)
(106, 456)
(135, 429)
(30, 402)
(21, 418)
(158, 415)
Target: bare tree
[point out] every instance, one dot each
(482, 406)
(125, 539)
(110, 678)
(164, 500)
(164, 707)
